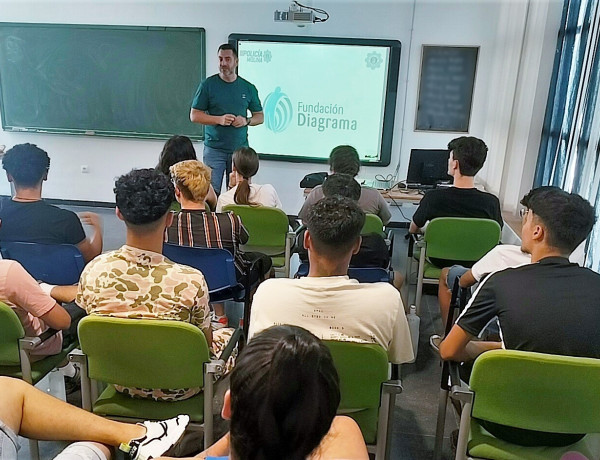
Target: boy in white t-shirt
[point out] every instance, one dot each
(327, 302)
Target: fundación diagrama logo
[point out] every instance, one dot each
(278, 111)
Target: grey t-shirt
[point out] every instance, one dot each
(370, 201)
(8, 443)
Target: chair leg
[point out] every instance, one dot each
(419, 292)
(208, 412)
(463, 433)
(441, 422)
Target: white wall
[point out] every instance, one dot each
(499, 27)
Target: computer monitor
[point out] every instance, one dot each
(428, 167)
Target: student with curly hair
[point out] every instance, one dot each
(137, 281)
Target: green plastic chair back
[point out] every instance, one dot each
(267, 227)
(461, 238)
(536, 391)
(373, 224)
(143, 353)
(11, 330)
(362, 369)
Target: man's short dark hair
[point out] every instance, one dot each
(334, 224)
(470, 153)
(26, 163)
(344, 159)
(227, 46)
(143, 196)
(567, 217)
(342, 185)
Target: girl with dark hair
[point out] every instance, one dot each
(241, 189)
(283, 400)
(176, 149)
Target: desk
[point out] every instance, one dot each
(403, 204)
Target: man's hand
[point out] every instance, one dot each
(239, 122)
(227, 119)
(90, 218)
(232, 179)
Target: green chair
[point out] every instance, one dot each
(373, 224)
(533, 391)
(453, 238)
(269, 233)
(15, 355)
(147, 353)
(366, 393)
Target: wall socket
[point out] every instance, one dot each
(85, 169)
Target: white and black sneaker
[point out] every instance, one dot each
(159, 438)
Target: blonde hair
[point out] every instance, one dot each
(192, 177)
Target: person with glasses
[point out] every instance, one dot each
(548, 306)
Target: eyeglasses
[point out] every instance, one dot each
(523, 212)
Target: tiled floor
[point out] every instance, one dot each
(416, 408)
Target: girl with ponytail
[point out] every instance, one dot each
(242, 190)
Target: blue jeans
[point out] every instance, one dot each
(220, 162)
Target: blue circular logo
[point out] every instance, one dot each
(278, 111)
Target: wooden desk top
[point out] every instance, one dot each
(393, 194)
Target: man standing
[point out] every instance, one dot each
(221, 103)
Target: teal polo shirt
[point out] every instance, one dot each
(218, 97)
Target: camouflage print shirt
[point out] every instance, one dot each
(133, 283)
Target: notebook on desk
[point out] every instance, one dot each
(427, 168)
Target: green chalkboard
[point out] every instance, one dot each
(100, 80)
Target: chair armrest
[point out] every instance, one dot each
(217, 366)
(237, 335)
(29, 343)
(391, 387)
(458, 389)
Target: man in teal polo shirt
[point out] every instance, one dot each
(221, 103)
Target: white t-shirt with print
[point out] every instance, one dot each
(336, 308)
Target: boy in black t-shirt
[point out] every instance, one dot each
(548, 306)
(467, 156)
(26, 217)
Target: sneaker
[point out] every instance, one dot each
(159, 438)
(219, 322)
(435, 341)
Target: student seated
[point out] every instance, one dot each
(29, 412)
(27, 217)
(373, 251)
(327, 302)
(344, 160)
(241, 189)
(193, 226)
(176, 149)
(467, 156)
(37, 311)
(137, 281)
(547, 306)
(283, 400)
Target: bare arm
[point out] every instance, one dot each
(91, 247)
(467, 279)
(64, 294)
(199, 116)
(414, 228)
(57, 318)
(459, 346)
(211, 198)
(258, 118)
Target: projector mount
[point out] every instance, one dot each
(300, 14)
